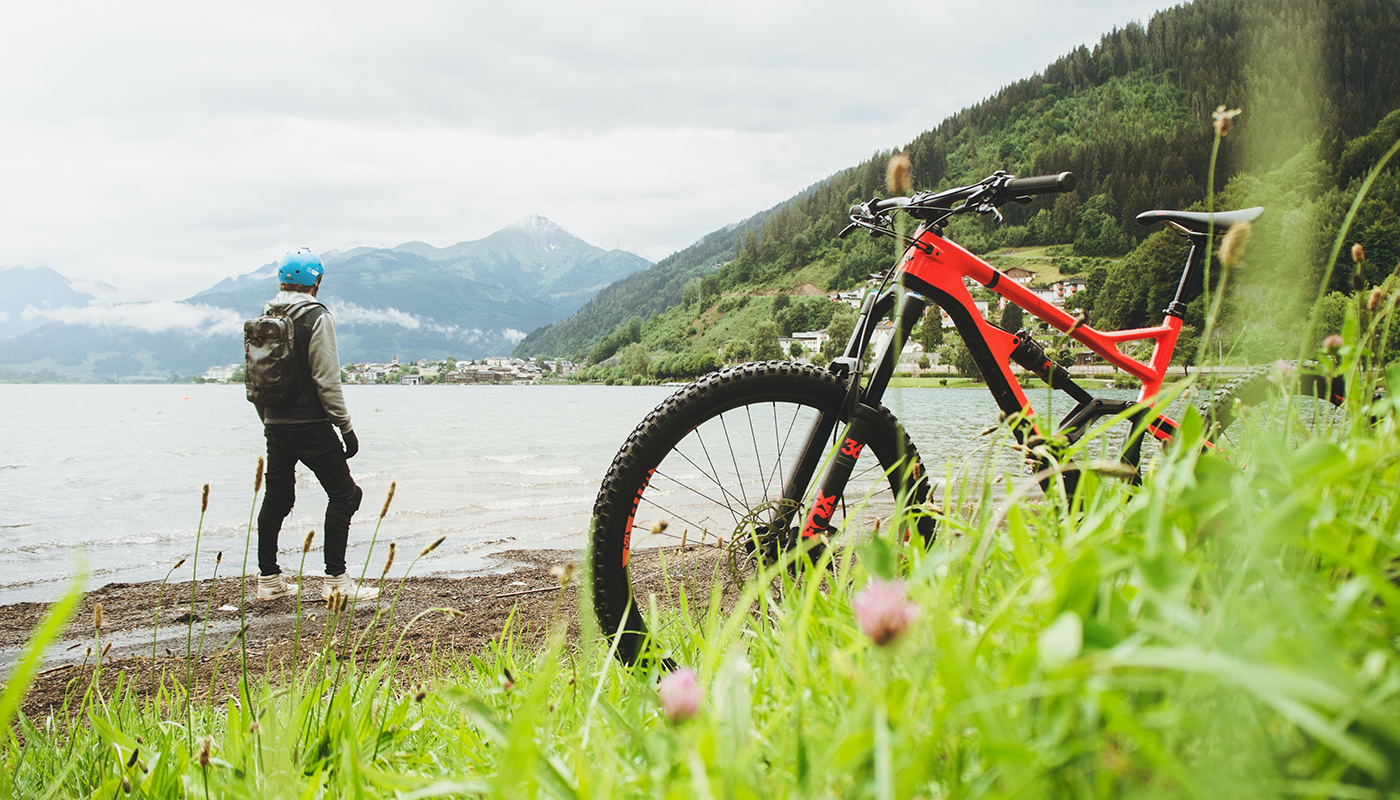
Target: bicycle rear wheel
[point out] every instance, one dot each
(1299, 398)
(698, 485)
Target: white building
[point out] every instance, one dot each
(852, 298)
(812, 341)
(1069, 287)
(220, 374)
(909, 355)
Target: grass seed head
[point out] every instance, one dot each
(131, 762)
(105, 650)
(204, 499)
(97, 616)
(306, 543)
(897, 175)
(1079, 320)
(1232, 246)
(564, 573)
(1225, 120)
(421, 694)
(1113, 469)
(206, 747)
(1358, 253)
(659, 526)
(178, 564)
(255, 727)
(257, 478)
(430, 548)
(219, 559)
(389, 499)
(389, 562)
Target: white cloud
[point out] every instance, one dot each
(351, 313)
(162, 146)
(153, 317)
(161, 316)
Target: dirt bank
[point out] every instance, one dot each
(481, 604)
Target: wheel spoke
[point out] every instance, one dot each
(669, 471)
(758, 457)
(713, 474)
(738, 476)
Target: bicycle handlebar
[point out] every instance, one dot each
(1043, 184)
(986, 196)
(877, 206)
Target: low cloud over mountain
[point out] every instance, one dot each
(417, 301)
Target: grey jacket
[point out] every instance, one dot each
(322, 356)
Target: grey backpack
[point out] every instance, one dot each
(269, 345)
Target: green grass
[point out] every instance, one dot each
(1214, 632)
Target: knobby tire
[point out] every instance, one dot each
(704, 431)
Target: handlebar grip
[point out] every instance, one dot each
(1043, 184)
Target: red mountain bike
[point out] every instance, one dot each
(759, 458)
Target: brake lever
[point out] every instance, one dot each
(848, 230)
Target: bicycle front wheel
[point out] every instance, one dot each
(699, 485)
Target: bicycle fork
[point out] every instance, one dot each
(859, 408)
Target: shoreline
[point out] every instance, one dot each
(523, 590)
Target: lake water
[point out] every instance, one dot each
(110, 476)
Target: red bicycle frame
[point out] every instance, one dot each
(935, 267)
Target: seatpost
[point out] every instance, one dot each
(1176, 308)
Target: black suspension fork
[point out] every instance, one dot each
(860, 410)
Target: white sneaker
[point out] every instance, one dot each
(347, 588)
(271, 587)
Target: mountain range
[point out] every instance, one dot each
(466, 300)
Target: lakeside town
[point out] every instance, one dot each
(802, 346)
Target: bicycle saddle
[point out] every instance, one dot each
(1199, 224)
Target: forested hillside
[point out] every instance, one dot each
(1132, 118)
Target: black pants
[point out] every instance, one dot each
(315, 445)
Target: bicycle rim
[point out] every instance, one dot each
(686, 513)
(1297, 402)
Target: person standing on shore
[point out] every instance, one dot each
(303, 429)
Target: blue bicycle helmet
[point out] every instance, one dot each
(300, 266)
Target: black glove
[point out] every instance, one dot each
(352, 443)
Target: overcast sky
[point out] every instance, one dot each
(161, 147)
